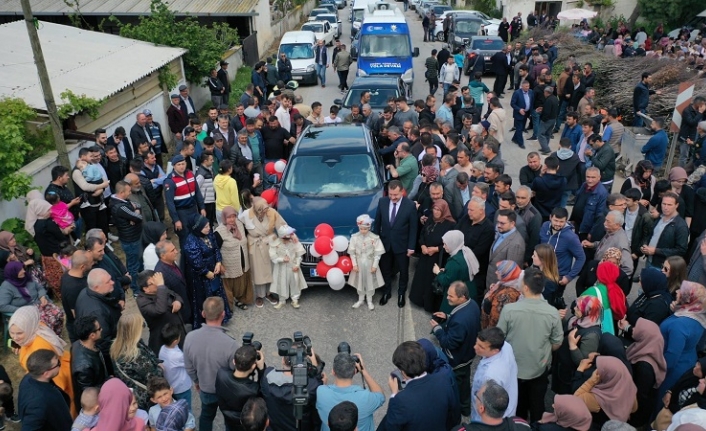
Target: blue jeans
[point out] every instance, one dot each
(565, 198)
(562, 115)
(321, 71)
(535, 123)
(543, 131)
(186, 396)
(133, 257)
(209, 408)
(446, 88)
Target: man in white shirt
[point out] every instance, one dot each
(283, 112)
(497, 362)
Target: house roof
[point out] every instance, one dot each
(85, 62)
(134, 7)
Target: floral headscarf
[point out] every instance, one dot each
(431, 173)
(692, 302)
(591, 312)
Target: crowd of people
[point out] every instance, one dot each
(492, 262)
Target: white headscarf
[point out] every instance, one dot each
(454, 242)
(27, 320)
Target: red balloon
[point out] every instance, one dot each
(345, 264)
(322, 269)
(270, 168)
(323, 245)
(323, 229)
(270, 195)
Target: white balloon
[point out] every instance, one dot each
(335, 278)
(279, 166)
(313, 252)
(331, 259)
(340, 243)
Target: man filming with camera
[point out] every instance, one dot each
(278, 389)
(234, 388)
(345, 367)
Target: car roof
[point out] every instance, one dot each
(300, 36)
(333, 139)
(364, 81)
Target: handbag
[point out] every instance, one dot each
(436, 287)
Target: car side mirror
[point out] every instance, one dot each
(274, 179)
(415, 52)
(338, 102)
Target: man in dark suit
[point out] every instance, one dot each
(427, 402)
(140, 134)
(508, 244)
(168, 266)
(478, 234)
(176, 119)
(186, 103)
(521, 102)
(396, 223)
(223, 77)
(500, 66)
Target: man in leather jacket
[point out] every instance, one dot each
(87, 362)
(235, 388)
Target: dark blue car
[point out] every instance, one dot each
(334, 174)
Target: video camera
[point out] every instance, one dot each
(344, 347)
(297, 353)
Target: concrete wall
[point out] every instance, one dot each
(263, 25)
(293, 21)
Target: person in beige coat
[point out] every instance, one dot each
(231, 239)
(365, 250)
(498, 118)
(261, 222)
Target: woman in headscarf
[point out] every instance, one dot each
(652, 304)
(204, 269)
(18, 290)
(682, 331)
(609, 393)
(261, 223)
(433, 230)
(152, 233)
(609, 293)
(570, 413)
(648, 368)
(686, 391)
(11, 251)
(462, 265)
(589, 277)
(429, 174)
(583, 336)
(114, 400)
(231, 240)
(50, 239)
(643, 180)
(134, 361)
(31, 217)
(31, 334)
(505, 291)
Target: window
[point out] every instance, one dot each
(331, 175)
(378, 96)
(297, 51)
(316, 28)
(488, 44)
(384, 45)
(467, 28)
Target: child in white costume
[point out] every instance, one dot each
(365, 249)
(286, 255)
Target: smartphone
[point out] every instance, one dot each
(438, 319)
(397, 375)
(11, 344)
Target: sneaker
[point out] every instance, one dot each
(85, 204)
(358, 304)
(259, 302)
(102, 207)
(370, 305)
(14, 418)
(295, 303)
(280, 305)
(531, 138)
(271, 299)
(113, 238)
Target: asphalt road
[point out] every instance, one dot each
(326, 315)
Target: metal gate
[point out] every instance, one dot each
(250, 52)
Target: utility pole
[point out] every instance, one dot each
(46, 86)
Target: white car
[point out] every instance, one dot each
(334, 21)
(490, 26)
(316, 12)
(322, 30)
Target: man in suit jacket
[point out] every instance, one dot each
(428, 401)
(174, 279)
(521, 102)
(508, 245)
(396, 223)
(139, 133)
(186, 103)
(458, 193)
(500, 66)
(176, 118)
(223, 77)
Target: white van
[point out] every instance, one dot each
(357, 14)
(299, 47)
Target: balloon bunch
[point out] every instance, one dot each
(273, 168)
(332, 266)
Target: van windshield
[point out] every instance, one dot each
(358, 14)
(297, 51)
(331, 175)
(384, 45)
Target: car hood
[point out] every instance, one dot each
(305, 213)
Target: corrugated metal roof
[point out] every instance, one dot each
(135, 7)
(86, 62)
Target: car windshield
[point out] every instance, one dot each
(316, 28)
(329, 18)
(358, 14)
(297, 51)
(438, 10)
(316, 12)
(378, 96)
(467, 27)
(488, 44)
(385, 45)
(331, 175)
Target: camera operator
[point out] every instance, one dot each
(457, 337)
(234, 388)
(428, 401)
(345, 368)
(276, 387)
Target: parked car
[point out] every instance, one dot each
(316, 12)
(334, 174)
(332, 7)
(340, 4)
(381, 88)
(423, 7)
(488, 45)
(456, 14)
(355, 46)
(334, 21)
(299, 47)
(322, 30)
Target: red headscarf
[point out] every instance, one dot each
(607, 274)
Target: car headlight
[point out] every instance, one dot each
(310, 68)
(361, 72)
(408, 75)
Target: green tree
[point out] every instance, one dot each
(14, 114)
(206, 45)
(673, 13)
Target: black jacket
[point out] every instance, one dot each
(641, 228)
(157, 311)
(176, 282)
(498, 63)
(117, 271)
(673, 241)
(468, 110)
(223, 77)
(690, 118)
(88, 370)
(456, 334)
(138, 136)
(126, 219)
(43, 406)
(105, 309)
(550, 108)
(571, 170)
(233, 393)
